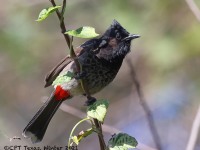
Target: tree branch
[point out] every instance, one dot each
(194, 8)
(62, 24)
(145, 106)
(78, 66)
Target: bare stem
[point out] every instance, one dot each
(78, 66)
(63, 9)
(100, 134)
(62, 24)
(145, 106)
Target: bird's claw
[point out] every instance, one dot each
(90, 101)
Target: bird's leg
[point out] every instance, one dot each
(90, 101)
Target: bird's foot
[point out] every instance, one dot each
(90, 101)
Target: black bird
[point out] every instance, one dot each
(100, 59)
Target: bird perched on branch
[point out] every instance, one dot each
(100, 60)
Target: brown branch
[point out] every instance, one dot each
(63, 8)
(194, 8)
(100, 135)
(145, 106)
(78, 66)
(62, 24)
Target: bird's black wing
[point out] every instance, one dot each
(51, 76)
(88, 45)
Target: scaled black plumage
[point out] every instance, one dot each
(100, 59)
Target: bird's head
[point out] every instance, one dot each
(116, 41)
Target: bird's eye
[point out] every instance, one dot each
(118, 36)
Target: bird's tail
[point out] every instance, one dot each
(36, 128)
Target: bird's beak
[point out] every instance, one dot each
(131, 37)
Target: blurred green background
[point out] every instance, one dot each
(166, 59)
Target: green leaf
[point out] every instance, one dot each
(98, 110)
(63, 78)
(70, 74)
(83, 32)
(81, 135)
(122, 141)
(75, 140)
(46, 12)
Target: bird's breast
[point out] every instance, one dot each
(98, 72)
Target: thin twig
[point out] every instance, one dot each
(145, 106)
(194, 8)
(100, 135)
(78, 66)
(194, 132)
(63, 9)
(62, 24)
